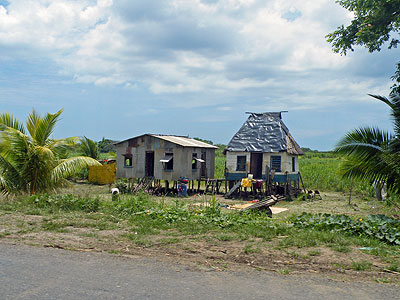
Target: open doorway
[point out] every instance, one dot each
(203, 168)
(149, 167)
(256, 165)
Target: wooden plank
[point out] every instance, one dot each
(233, 189)
(271, 200)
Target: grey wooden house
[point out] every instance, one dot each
(165, 157)
(263, 147)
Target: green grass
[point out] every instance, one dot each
(225, 237)
(219, 167)
(4, 234)
(395, 266)
(148, 221)
(314, 253)
(284, 271)
(54, 226)
(248, 249)
(321, 171)
(341, 248)
(362, 265)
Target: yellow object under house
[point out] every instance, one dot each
(104, 174)
(246, 182)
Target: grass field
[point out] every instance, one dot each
(198, 231)
(319, 170)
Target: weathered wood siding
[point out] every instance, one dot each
(182, 159)
(286, 162)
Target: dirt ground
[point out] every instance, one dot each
(199, 252)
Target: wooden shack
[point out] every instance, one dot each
(264, 148)
(165, 157)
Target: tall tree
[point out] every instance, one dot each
(89, 148)
(106, 145)
(374, 154)
(375, 22)
(30, 160)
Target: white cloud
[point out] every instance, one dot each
(188, 46)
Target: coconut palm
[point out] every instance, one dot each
(373, 154)
(30, 160)
(89, 148)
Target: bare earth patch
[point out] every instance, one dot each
(203, 252)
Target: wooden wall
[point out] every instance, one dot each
(182, 157)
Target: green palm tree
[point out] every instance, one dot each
(89, 148)
(373, 154)
(30, 160)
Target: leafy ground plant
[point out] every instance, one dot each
(378, 226)
(208, 234)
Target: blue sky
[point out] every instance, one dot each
(188, 67)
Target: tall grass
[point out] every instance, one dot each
(321, 171)
(220, 166)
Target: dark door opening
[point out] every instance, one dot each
(256, 165)
(203, 169)
(149, 167)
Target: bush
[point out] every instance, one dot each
(133, 204)
(66, 202)
(381, 227)
(122, 186)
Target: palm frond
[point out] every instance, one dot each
(383, 99)
(11, 180)
(89, 148)
(15, 144)
(376, 169)
(395, 113)
(364, 151)
(8, 120)
(45, 126)
(70, 166)
(32, 122)
(364, 141)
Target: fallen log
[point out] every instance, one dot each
(265, 204)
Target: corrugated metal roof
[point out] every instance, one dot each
(264, 132)
(183, 141)
(179, 140)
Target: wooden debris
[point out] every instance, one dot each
(265, 204)
(233, 189)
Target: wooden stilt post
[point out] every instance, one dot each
(301, 178)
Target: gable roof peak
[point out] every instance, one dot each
(264, 132)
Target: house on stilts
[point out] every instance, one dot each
(264, 148)
(165, 157)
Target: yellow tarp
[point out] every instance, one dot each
(246, 182)
(104, 174)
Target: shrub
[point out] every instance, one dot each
(381, 227)
(66, 202)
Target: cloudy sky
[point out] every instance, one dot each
(121, 68)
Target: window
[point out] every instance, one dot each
(293, 164)
(194, 161)
(241, 163)
(168, 161)
(276, 163)
(128, 162)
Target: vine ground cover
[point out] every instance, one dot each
(208, 234)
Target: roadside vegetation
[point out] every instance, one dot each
(200, 231)
(314, 235)
(30, 160)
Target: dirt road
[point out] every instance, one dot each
(42, 273)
